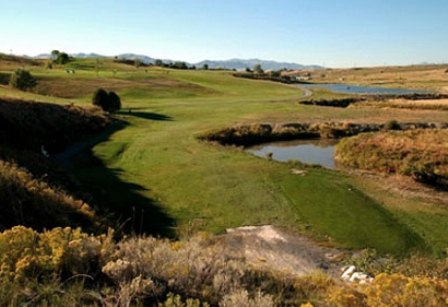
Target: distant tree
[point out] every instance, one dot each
(275, 73)
(22, 80)
(109, 102)
(54, 54)
(257, 69)
(180, 65)
(158, 63)
(205, 67)
(59, 57)
(248, 69)
(114, 102)
(63, 58)
(137, 63)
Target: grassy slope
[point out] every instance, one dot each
(203, 186)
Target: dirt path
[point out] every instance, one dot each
(306, 92)
(66, 157)
(266, 247)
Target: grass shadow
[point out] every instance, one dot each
(124, 203)
(146, 115)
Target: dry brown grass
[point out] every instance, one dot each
(422, 76)
(420, 104)
(423, 104)
(11, 62)
(32, 202)
(422, 154)
(411, 75)
(74, 87)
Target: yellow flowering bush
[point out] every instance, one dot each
(26, 253)
(399, 290)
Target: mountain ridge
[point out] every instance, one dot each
(233, 63)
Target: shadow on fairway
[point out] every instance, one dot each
(125, 204)
(146, 115)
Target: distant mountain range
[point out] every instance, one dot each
(238, 64)
(241, 64)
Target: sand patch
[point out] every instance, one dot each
(266, 247)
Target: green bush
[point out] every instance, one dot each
(109, 102)
(22, 80)
(114, 101)
(100, 98)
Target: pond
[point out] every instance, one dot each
(358, 89)
(319, 152)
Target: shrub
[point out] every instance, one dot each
(22, 80)
(100, 99)
(241, 298)
(109, 102)
(25, 253)
(114, 101)
(392, 125)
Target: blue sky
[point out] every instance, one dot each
(333, 33)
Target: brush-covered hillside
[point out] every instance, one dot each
(34, 191)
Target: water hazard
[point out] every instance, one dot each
(358, 89)
(319, 152)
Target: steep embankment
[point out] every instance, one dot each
(33, 191)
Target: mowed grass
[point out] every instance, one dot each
(202, 186)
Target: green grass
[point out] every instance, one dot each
(190, 185)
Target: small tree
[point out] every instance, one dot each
(63, 58)
(23, 80)
(158, 63)
(205, 67)
(114, 102)
(59, 57)
(109, 102)
(101, 99)
(54, 54)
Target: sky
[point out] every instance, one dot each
(333, 33)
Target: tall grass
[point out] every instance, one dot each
(422, 154)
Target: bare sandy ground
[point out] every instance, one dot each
(266, 247)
